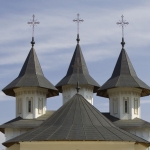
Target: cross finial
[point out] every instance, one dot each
(33, 23)
(78, 20)
(78, 88)
(122, 23)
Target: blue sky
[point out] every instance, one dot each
(55, 39)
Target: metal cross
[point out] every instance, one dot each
(78, 20)
(33, 23)
(122, 23)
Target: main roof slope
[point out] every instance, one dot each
(78, 69)
(77, 120)
(31, 75)
(123, 75)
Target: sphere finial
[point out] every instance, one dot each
(122, 43)
(32, 42)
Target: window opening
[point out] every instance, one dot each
(126, 107)
(29, 106)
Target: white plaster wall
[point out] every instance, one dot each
(33, 93)
(11, 133)
(81, 145)
(120, 94)
(68, 91)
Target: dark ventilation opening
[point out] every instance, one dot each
(126, 107)
(29, 106)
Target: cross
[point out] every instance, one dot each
(33, 22)
(78, 20)
(122, 23)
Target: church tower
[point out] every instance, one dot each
(77, 71)
(30, 88)
(124, 89)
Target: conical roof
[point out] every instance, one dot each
(31, 75)
(77, 120)
(123, 75)
(77, 71)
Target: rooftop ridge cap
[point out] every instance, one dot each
(91, 120)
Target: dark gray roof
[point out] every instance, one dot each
(21, 123)
(31, 75)
(135, 123)
(77, 120)
(83, 76)
(123, 75)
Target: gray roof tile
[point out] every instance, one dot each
(84, 77)
(31, 75)
(77, 120)
(123, 75)
(135, 123)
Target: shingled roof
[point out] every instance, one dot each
(20, 123)
(77, 120)
(84, 77)
(123, 75)
(135, 123)
(31, 75)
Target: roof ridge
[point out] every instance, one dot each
(127, 62)
(71, 125)
(49, 127)
(82, 119)
(107, 120)
(27, 62)
(55, 113)
(128, 134)
(91, 120)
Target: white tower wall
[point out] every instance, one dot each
(68, 91)
(124, 102)
(30, 102)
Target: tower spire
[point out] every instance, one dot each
(33, 23)
(122, 23)
(78, 20)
